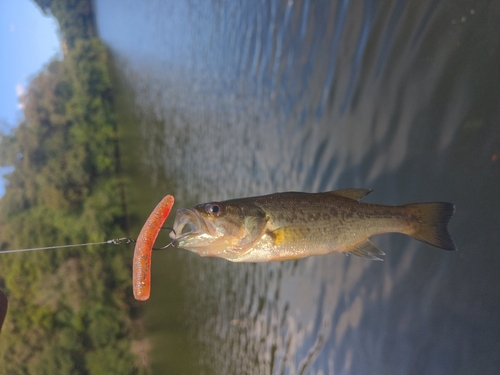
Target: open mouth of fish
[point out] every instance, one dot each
(187, 224)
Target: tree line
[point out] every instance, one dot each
(69, 309)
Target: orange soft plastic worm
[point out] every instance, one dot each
(141, 273)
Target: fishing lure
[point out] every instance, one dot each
(141, 270)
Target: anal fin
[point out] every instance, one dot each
(365, 249)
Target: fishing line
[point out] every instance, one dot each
(115, 241)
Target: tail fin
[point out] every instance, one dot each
(431, 223)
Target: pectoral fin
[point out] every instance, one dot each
(365, 249)
(289, 234)
(254, 228)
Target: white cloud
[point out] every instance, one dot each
(20, 91)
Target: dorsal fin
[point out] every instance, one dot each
(351, 193)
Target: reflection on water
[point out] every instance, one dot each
(252, 97)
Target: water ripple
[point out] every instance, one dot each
(251, 97)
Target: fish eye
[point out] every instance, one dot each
(214, 209)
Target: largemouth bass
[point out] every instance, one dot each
(286, 226)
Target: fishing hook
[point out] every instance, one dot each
(170, 244)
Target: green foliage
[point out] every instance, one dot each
(69, 310)
(76, 18)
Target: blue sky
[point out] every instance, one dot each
(28, 40)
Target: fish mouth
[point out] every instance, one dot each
(188, 224)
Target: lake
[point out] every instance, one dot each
(224, 99)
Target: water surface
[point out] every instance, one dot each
(233, 99)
